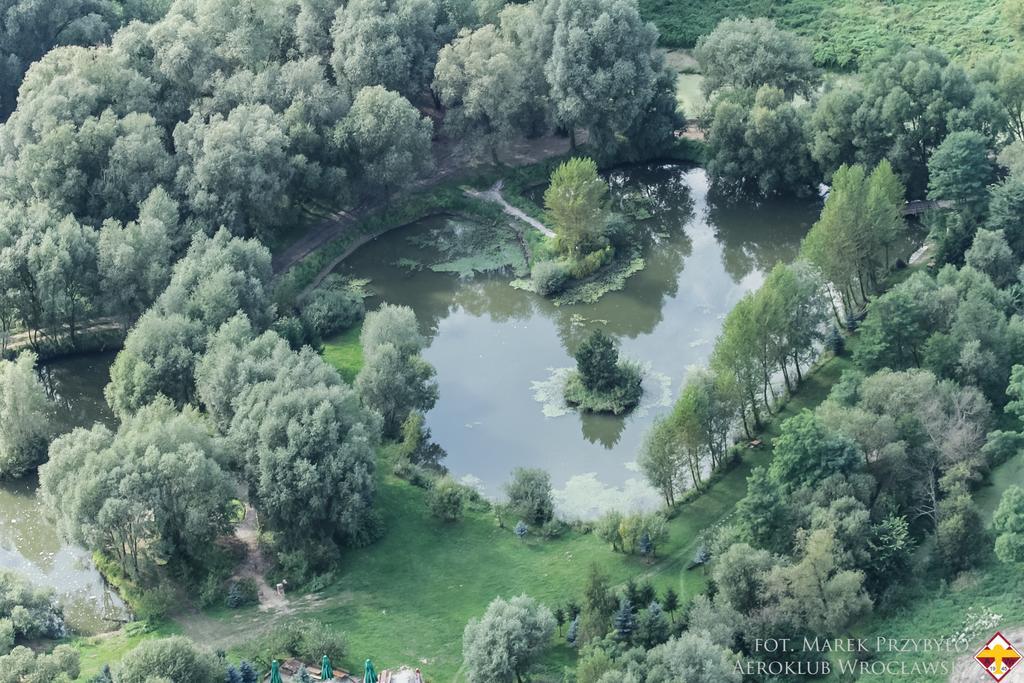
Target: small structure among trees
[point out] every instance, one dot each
(602, 382)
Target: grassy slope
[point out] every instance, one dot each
(108, 648)
(843, 31)
(406, 599)
(345, 353)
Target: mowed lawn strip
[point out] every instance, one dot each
(345, 353)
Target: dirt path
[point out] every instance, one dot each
(20, 340)
(449, 162)
(255, 565)
(494, 195)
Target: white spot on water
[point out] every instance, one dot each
(586, 498)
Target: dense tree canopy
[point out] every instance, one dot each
(153, 491)
(26, 417)
(388, 137)
(305, 443)
(756, 143)
(749, 53)
(603, 68)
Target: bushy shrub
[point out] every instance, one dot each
(549, 277)
(210, 590)
(446, 499)
(155, 602)
(304, 639)
(242, 593)
(414, 474)
(591, 263)
(176, 658)
(26, 611)
(1000, 446)
(333, 307)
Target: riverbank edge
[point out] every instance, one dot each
(448, 197)
(721, 492)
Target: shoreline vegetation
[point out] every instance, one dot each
(603, 382)
(186, 178)
(356, 597)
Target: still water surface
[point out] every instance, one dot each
(499, 351)
(29, 543)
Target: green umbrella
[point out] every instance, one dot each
(369, 675)
(326, 671)
(275, 672)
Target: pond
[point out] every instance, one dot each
(29, 543)
(500, 351)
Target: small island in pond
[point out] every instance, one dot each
(602, 383)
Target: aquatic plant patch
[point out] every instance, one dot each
(468, 247)
(609, 279)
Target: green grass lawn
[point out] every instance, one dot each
(842, 32)
(407, 598)
(107, 648)
(345, 353)
(689, 96)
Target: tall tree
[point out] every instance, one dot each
(395, 379)
(507, 641)
(735, 359)
(387, 43)
(529, 495)
(388, 138)
(660, 460)
(603, 68)
(218, 277)
(481, 83)
(152, 491)
(1008, 523)
(134, 260)
(960, 170)
(576, 200)
(235, 171)
(26, 417)
(158, 359)
(748, 53)
(756, 143)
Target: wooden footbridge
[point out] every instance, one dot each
(919, 206)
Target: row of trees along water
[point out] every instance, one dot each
(243, 116)
(237, 115)
(929, 399)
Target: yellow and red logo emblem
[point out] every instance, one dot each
(998, 657)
